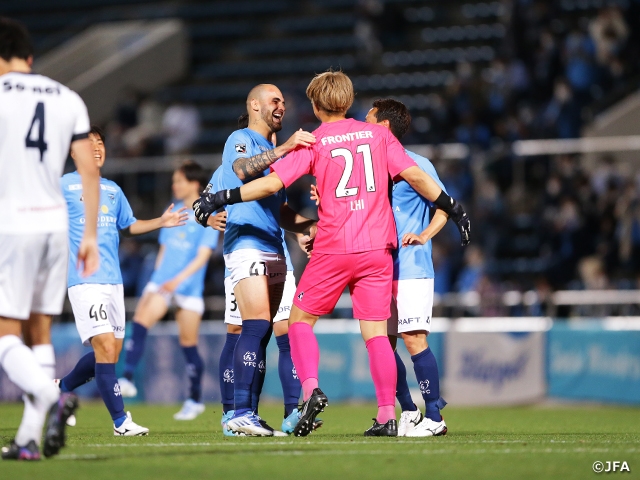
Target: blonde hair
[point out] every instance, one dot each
(331, 91)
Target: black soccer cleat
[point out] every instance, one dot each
(308, 412)
(14, 452)
(389, 429)
(54, 438)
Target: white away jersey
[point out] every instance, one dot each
(39, 118)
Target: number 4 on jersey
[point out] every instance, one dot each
(39, 142)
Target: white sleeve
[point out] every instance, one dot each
(81, 124)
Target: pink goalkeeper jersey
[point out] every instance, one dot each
(351, 161)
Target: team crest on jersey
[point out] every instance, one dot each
(241, 148)
(300, 295)
(112, 197)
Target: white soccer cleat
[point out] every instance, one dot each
(249, 424)
(408, 421)
(130, 429)
(190, 410)
(428, 428)
(127, 388)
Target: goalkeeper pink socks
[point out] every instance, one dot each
(382, 364)
(305, 354)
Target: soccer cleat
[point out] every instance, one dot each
(71, 421)
(389, 429)
(289, 423)
(225, 430)
(308, 412)
(127, 388)
(429, 428)
(130, 429)
(249, 424)
(14, 452)
(54, 437)
(190, 410)
(408, 421)
(276, 433)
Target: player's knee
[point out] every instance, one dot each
(415, 343)
(106, 349)
(234, 329)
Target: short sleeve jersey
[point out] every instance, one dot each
(115, 214)
(254, 225)
(39, 118)
(181, 245)
(352, 162)
(411, 212)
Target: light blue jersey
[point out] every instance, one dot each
(181, 246)
(115, 214)
(411, 212)
(256, 224)
(217, 185)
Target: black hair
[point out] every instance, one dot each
(15, 41)
(96, 130)
(194, 173)
(243, 120)
(396, 113)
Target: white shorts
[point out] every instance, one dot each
(248, 262)
(193, 304)
(232, 314)
(411, 306)
(98, 309)
(33, 274)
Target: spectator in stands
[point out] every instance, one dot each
(473, 270)
(181, 127)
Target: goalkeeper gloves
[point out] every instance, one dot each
(456, 213)
(208, 203)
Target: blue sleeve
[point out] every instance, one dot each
(209, 238)
(125, 215)
(237, 146)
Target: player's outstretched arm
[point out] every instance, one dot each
(88, 254)
(428, 188)
(293, 222)
(248, 168)
(436, 224)
(169, 219)
(255, 190)
(201, 259)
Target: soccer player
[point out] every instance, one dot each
(39, 120)
(253, 250)
(413, 283)
(98, 301)
(178, 278)
(352, 162)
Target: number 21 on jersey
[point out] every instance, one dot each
(365, 150)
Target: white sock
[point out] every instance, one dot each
(46, 358)
(20, 364)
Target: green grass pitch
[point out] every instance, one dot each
(494, 443)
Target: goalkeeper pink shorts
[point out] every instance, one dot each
(368, 275)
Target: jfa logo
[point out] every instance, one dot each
(424, 386)
(249, 359)
(615, 466)
(294, 373)
(116, 390)
(262, 367)
(228, 375)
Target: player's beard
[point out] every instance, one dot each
(267, 117)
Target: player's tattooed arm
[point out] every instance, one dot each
(248, 168)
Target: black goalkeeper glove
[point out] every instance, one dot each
(208, 203)
(456, 213)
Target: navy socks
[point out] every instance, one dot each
(225, 371)
(245, 361)
(195, 367)
(83, 372)
(402, 387)
(135, 349)
(426, 368)
(110, 391)
(288, 376)
(261, 370)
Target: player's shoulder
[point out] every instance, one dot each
(110, 186)
(423, 162)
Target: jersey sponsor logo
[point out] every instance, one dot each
(75, 186)
(424, 387)
(108, 188)
(104, 209)
(20, 87)
(286, 308)
(227, 376)
(241, 148)
(263, 148)
(347, 137)
(408, 320)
